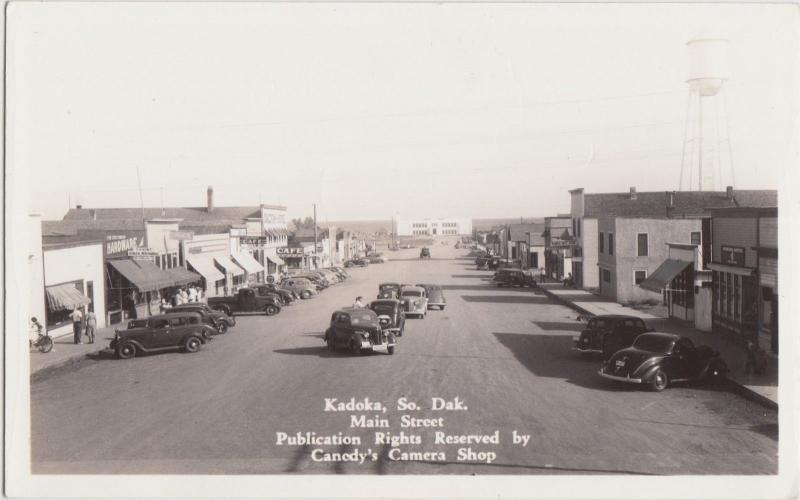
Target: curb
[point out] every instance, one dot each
(735, 386)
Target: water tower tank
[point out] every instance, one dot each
(708, 65)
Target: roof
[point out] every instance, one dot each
(518, 233)
(71, 227)
(185, 213)
(685, 203)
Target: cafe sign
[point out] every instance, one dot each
(733, 256)
(290, 251)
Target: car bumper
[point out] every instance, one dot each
(367, 346)
(436, 304)
(620, 379)
(588, 350)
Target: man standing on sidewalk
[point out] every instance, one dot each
(91, 326)
(77, 324)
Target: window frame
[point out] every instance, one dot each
(610, 243)
(639, 271)
(699, 238)
(639, 245)
(602, 242)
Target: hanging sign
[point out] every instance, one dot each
(142, 253)
(732, 255)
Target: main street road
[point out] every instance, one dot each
(505, 353)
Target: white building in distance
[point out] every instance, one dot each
(434, 227)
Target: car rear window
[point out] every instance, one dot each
(411, 293)
(356, 318)
(599, 324)
(383, 309)
(653, 343)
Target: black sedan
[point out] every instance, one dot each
(391, 315)
(216, 319)
(660, 359)
(608, 333)
(358, 330)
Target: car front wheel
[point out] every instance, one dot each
(390, 349)
(305, 294)
(126, 351)
(192, 344)
(222, 327)
(355, 348)
(660, 381)
(331, 345)
(271, 310)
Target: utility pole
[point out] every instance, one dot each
(141, 198)
(315, 234)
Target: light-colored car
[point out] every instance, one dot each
(377, 258)
(415, 300)
(301, 286)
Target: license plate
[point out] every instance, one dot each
(365, 344)
(620, 363)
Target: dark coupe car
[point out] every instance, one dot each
(183, 330)
(435, 295)
(391, 315)
(286, 296)
(659, 359)
(358, 330)
(356, 263)
(607, 334)
(389, 290)
(514, 277)
(425, 253)
(216, 319)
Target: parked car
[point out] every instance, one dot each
(607, 334)
(356, 263)
(246, 300)
(415, 300)
(425, 253)
(162, 332)
(659, 359)
(285, 296)
(358, 330)
(304, 288)
(216, 319)
(514, 277)
(341, 271)
(377, 258)
(320, 282)
(435, 295)
(391, 315)
(389, 290)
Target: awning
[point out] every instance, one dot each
(664, 274)
(273, 256)
(228, 265)
(143, 274)
(182, 276)
(724, 268)
(65, 297)
(204, 264)
(247, 261)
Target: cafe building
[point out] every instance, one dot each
(299, 257)
(73, 279)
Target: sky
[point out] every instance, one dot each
(375, 110)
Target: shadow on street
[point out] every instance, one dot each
(506, 299)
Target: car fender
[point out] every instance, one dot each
(648, 370)
(711, 363)
(139, 346)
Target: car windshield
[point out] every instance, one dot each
(383, 308)
(356, 318)
(411, 293)
(653, 343)
(599, 323)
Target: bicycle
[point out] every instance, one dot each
(44, 343)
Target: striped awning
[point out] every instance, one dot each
(247, 261)
(273, 256)
(183, 276)
(204, 264)
(143, 274)
(65, 297)
(228, 265)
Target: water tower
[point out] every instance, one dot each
(708, 72)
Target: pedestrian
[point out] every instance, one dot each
(192, 294)
(358, 304)
(184, 296)
(165, 305)
(91, 326)
(35, 330)
(77, 325)
(132, 312)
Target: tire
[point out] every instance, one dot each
(192, 344)
(222, 327)
(660, 381)
(126, 351)
(441, 308)
(271, 310)
(331, 345)
(46, 345)
(355, 349)
(390, 349)
(305, 294)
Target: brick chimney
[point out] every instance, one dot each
(210, 193)
(633, 193)
(729, 192)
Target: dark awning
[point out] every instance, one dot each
(664, 274)
(181, 276)
(143, 274)
(65, 297)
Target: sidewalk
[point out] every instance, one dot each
(763, 388)
(65, 351)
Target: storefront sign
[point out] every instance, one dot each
(253, 240)
(181, 235)
(290, 251)
(120, 244)
(142, 253)
(732, 256)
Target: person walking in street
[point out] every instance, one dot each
(77, 325)
(91, 326)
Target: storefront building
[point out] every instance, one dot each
(300, 257)
(558, 242)
(209, 255)
(73, 279)
(244, 258)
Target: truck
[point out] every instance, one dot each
(246, 300)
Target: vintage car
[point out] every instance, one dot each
(425, 253)
(389, 290)
(659, 359)
(287, 296)
(181, 330)
(487, 262)
(358, 330)
(377, 258)
(514, 277)
(246, 300)
(391, 315)
(319, 281)
(415, 300)
(356, 263)
(304, 288)
(435, 295)
(608, 333)
(216, 319)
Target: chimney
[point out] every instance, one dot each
(670, 199)
(633, 193)
(729, 192)
(79, 207)
(210, 206)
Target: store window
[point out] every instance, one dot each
(61, 317)
(602, 242)
(610, 243)
(695, 237)
(606, 276)
(642, 249)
